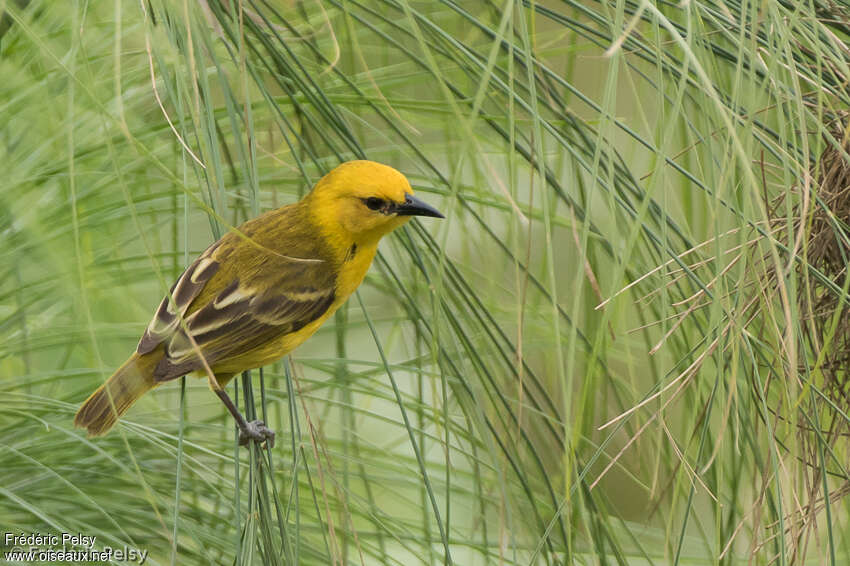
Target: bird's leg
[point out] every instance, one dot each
(254, 430)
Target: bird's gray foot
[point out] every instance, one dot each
(256, 431)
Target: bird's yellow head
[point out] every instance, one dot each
(363, 201)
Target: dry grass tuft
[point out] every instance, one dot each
(825, 311)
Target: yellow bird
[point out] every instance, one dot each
(262, 289)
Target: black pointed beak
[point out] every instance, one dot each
(414, 207)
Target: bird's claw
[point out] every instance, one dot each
(256, 431)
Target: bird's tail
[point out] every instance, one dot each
(113, 398)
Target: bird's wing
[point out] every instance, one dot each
(234, 298)
(241, 318)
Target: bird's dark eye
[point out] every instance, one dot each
(374, 203)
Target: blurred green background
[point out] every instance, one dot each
(679, 164)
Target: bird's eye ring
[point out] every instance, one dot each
(374, 203)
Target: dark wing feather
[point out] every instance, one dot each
(187, 287)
